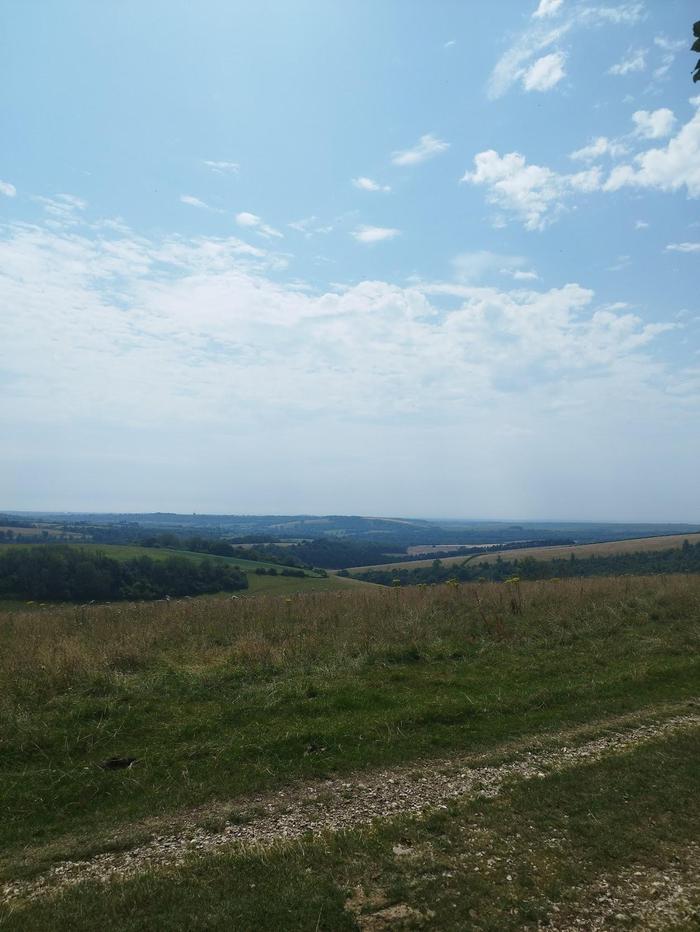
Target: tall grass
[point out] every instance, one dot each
(218, 698)
(44, 652)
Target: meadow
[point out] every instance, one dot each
(216, 699)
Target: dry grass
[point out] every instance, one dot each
(606, 548)
(47, 650)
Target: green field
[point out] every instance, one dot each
(218, 699)
(131, 552)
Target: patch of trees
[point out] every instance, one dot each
(10, 521)
(287, 571)
(332, 553)
(68, 574)
(685, 559)
(219, 548)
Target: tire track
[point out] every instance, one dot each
(340, 804)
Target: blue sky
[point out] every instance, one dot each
(390, 257)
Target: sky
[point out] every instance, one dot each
(395, 257)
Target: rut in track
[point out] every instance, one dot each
(339, 804)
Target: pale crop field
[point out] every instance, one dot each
(606, 548)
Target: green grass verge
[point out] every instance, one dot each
(221, 699)
(489, 865)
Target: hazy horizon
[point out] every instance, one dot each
(330, 258)
(446, 519)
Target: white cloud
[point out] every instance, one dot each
(547, 8)
(536, 194)
(545, 73)
(171, 358)
(533, 193)
(671, 168)
(368, 234)
(683, 247)
(623, 14)
(310, 226)
(654, 124)
(427, 147)
(193, 201)
(543, 37)
(223, 168)
(621, 263)
(367, 184)
(252, 221)
(9, 190)
(196, 332)
(669, 48)
(597, 148)
(641, 225)
(473, 266)
(633, 62)
(62, 208)
(449, 44)
(481, 264)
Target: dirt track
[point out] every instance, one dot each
(339, 804)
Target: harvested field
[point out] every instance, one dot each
(605, 548)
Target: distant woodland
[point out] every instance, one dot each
(56, 573)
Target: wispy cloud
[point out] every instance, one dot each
(9, 190)
(223, 168)
(252, 221)
(622, 14)
(545, 35)
(545, 73)
(368, 184)
(450, 44)
(634, 61)
(193, 201)
(62, 208)
(427, 147)
(368, 234)
(669, 49)
(597, 148)
(310, 226)
(547, 8)
(683, 247)
(475, 266)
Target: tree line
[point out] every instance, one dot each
(68, 574)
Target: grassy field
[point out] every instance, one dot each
(671, 541)
(614, 835)
(35, 531)
(130, 552)
(217, 699)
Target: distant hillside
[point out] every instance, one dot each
(393, 534)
